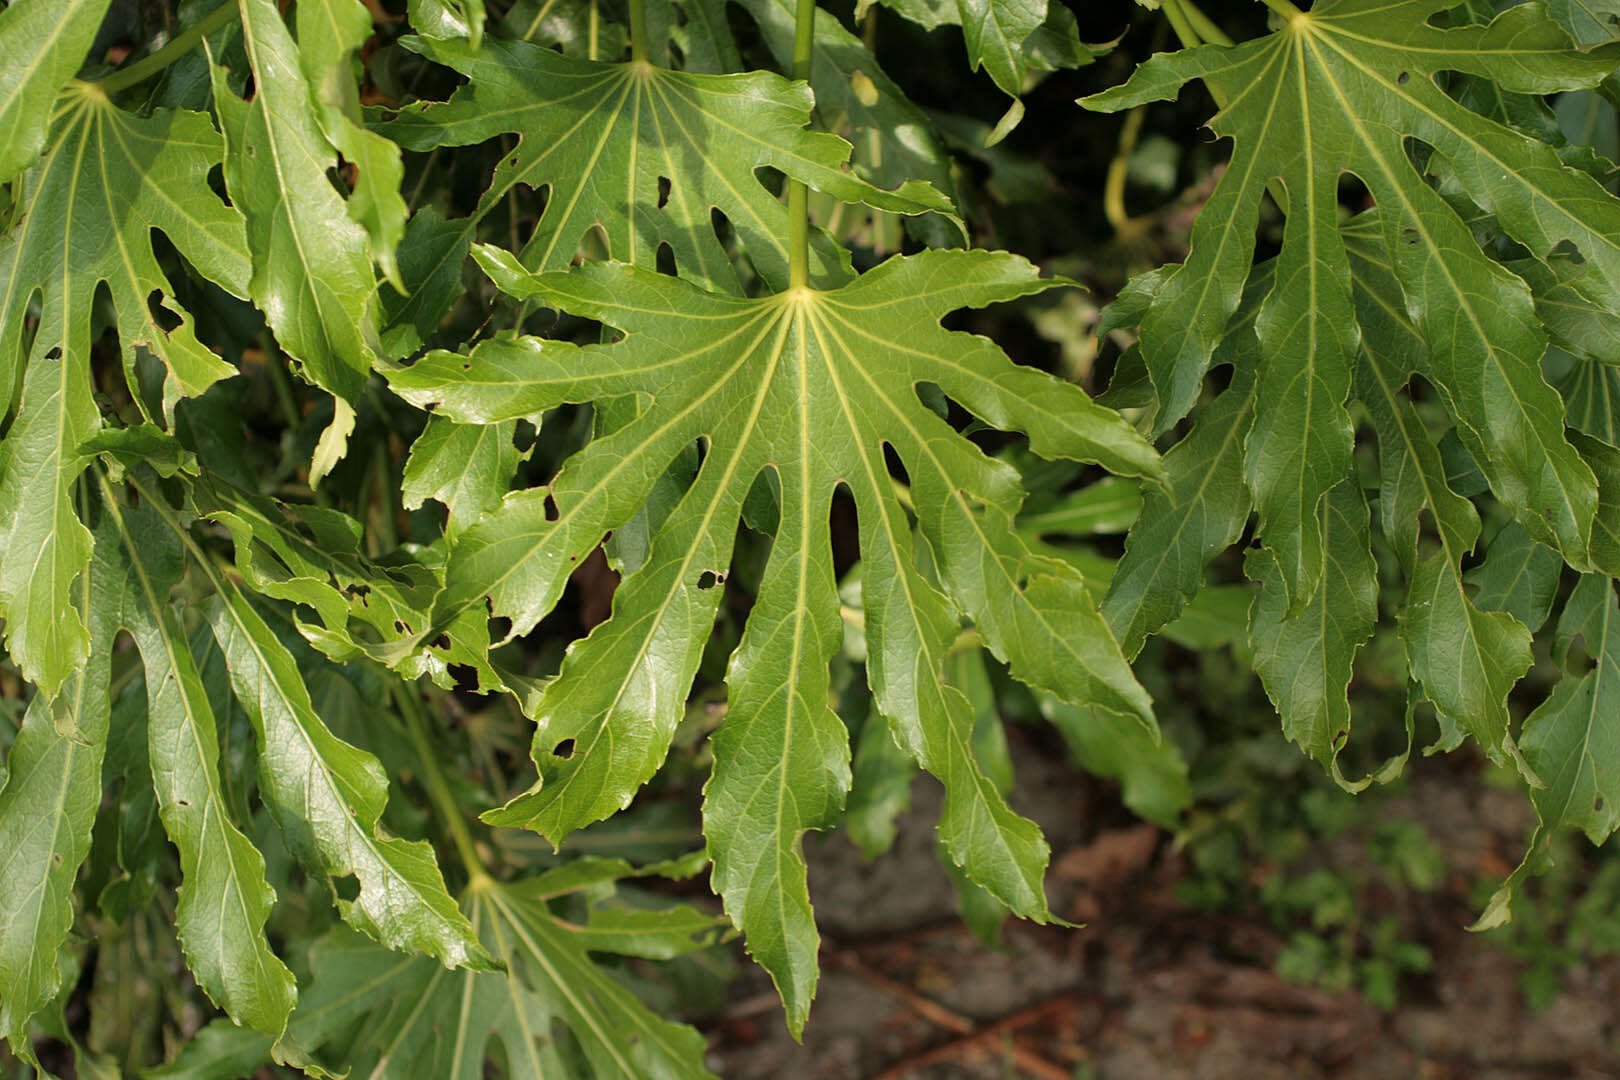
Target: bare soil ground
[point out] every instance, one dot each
(1149, 990)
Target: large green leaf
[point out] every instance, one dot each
(642, 153)
(48, 805)
(421, 1021)
(42, 43)
(326, 796)
(1338, 89)
(809, 386)
(312, 273)
(224, 898)
(87, 214)
(1465, 652)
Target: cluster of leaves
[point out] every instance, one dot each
(695, 374)
(1485, 267)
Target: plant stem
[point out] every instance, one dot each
(1114, 186)
(438, 789)
(638, 30)
(390, 497)
(798, 195)
(182, 43)
(1203, 25)
(798, 235)
(422, 178)
(1282, 7)
(1179, 23)
(286, 397)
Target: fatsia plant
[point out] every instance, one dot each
(1351, 314)
(695, 367)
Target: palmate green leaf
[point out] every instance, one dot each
(1570, 739)
(1465, 651)
(42, 43)
(224, 899)
(1337, 90)
(413, 1019)
(48, 805)
(642, 153)
(87, 213)
(810, 386)
(312, 273)
(326, 796)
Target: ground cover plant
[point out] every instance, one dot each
(388, 385)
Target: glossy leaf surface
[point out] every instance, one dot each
(86, 218)
(810, 386)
